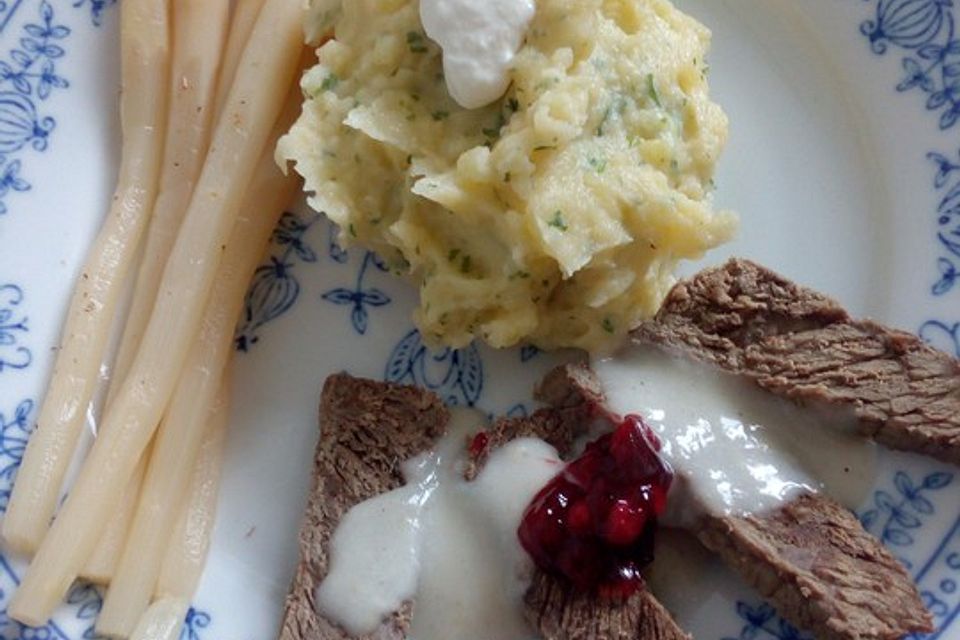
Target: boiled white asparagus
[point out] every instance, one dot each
(101, 565)
(199, 34)
(162, 621)
(179, 437)
(241, 24)
(144, 38)
(267, 68)
(187, 550)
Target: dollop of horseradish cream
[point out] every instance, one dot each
(479, 39)
(447, 543)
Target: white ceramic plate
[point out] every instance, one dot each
(843, 163)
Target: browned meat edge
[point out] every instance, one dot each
(814, 562)
(801, 345)
(557, 611)
(811, 558)
(366, 430)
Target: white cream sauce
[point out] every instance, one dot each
(479, 39)
(735, 448)
(449, 544)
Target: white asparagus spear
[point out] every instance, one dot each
(199, 33)
(178, 439)
(187, 551)
(162, 621)
(267, 69)
(144, 36)
(241, 24)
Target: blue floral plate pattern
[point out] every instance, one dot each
(844, 163)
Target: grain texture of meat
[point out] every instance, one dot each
(814, 562)
(559, 612)
(801, 345)
(366, 430)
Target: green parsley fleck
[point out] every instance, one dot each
(352, 230)
(652, 90)
(440, 115)
(416, 42)
(608, 325)
(598, 164)
(546, 147)
(453, 254)
(523, 275)
(465, 265)
(513, 104)
(330, 82)
(557, 222)
(506, 177)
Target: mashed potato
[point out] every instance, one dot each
(554, 216)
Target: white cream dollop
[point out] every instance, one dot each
(479, 39)
(449, 544)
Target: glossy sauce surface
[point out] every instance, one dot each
(449, 544)
(735, 448)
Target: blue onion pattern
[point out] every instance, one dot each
(15, 428)
(906, 23)
(28, 77)
(762, 622)
(897, 514)
(13, 325)
(359, 298)
(274, 288)
(97, 8)
(925, 31)
(456, 375)
(941, 335)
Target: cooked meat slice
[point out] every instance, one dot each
(561, 613)
(556, 610)
(811, 559)
(814, 562)
(366, 430)
(801, 345)
(570, 385)
(559, 427)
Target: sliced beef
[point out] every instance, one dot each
(811, 558)
(814, 562)
(802, 345)
(553, 607)
(366, 430)
(561, 613)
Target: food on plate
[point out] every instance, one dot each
(388, 424)
(761, 460)
(809, 556)
(145, 67)
(172, 360)
(554, 215)
(803, 346)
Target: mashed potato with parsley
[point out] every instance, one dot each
(554, 216)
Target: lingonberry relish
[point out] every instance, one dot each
(594, 522)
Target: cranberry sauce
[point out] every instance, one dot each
(594, 523)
